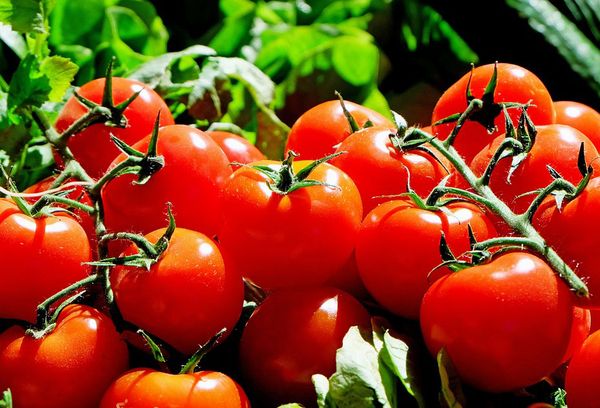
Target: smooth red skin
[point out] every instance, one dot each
(348, 279)
(292, 335)
(236, 148)
(69, 368)
(146, 388)
(580, 116)
(186, 297)
(580, 330)
(581, 381)
(378, 169)
(40, 257)
(92, 147)
(497, 313)
(556, 146)
(568, 231)
(320, 129)
(192, 178)
(398, 247)
(515, 84)
(299, 239)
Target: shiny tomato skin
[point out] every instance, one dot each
(378, 169)
(580, 116)
(40, 257)
(319, 130)
(68, 368)
(556, 146)
(195, 170)
(582, 375)
(398, 247)
(146, 388)
(515, 84)
(237, 148)
(186, 297)
(292, 335)
(496, 313)
(92, 147)
(580, 330)
(301, 238)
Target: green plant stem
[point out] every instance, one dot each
(195, 359)
(48, 199)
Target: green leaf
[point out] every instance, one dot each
(6, 401)
(321, 384)
(451, 392)
(28, 86)
(60, 73)
(356, 60)
(292, 405)
(13, 40)
(235, 30)
(579, 51)
(24, 16)
(68, 26)
(560, 398)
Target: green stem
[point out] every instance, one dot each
(556, 185)
(95, 115)
(142, 243)
(194, 360)
(508, 143)
(48, 199)
(439, 192)
(113, 173)
(514, 241)
(474, 106)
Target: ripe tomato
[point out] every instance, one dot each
(296, 239)
(555, 145)
(92, 147)
(191, 179)
(582, 117)
(398, 247)
(582, 322)
(236, 148)
(582, 374)
(69, 367)
(490, 319)
(143, 387)
(377, 168)
(292, 335)
(515, 84)
(186, 297)
(41, 256)
(319, 130)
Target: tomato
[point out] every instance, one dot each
(92, 147)
(236, 148)
(582, 374)
(398, 247)
(515, 84)
(555, 145)
(490, 319)
(146, 388)
(292, 335)
(568, 230)
(582, 321)
(186, 297)
(296, 239)
(195, 170)
(378, 169)
(40, 257)
(580, 116)
(319, 130)
(67, 368)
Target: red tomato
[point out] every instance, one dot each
(297, 239)
(40, 257)
(377, 168)
(292, 335)
(68, 368)
(490, 319)
(146, 388)
(195, 170)
(582, 117)
(92, 147)
(515, 84)
(186, 297)
(398, 247)
(236, 148)
(582, 374)
(555, 145)
(582, 321)
(320, 129)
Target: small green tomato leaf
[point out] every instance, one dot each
(451, 393)
(157, 353)
(6, 401)
(24, 16)
(560, 398)
(60, 72)
(321, 384)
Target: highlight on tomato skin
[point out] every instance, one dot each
(237, 148)
(580, 116)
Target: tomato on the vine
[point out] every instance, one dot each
(292, 335)
(580, 116)
(581, 379)
(68, 368)
(236, 148)
(92, 147)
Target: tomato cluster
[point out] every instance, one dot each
(372, 218)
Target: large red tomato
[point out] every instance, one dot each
(236, 148)
(67, 368)
(582, 117)
(146, 388)
(292, 335)
(92, 147)
(490, 319)
(581, 380)
(40, 257)
(515, 84)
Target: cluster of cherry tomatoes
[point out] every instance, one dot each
(344, 221)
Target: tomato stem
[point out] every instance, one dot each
(351, 121)
(204, 349)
